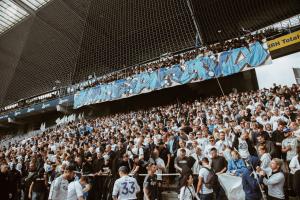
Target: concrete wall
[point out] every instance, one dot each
(279, 72)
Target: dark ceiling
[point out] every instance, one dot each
(42, 49)
(68, 40)
(122, 33)
(230, 16)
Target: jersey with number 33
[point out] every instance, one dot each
(125, 188)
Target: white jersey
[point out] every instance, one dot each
(125, 188)
(292, 142)
(243, 148)
(74, 191)
(59, 189)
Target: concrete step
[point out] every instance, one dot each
(169, 195)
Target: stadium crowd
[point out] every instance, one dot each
(251, 135)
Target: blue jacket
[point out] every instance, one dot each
(250, 185)
(237, 165)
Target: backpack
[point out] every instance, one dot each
(212, 179)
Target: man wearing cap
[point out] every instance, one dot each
(125, 188)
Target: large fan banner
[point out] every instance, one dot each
(199, 69)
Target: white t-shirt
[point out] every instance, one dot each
(188, 152)
(294, 165)
(202, 142)
(125, 188)
(135, 151)
(196, 167)
(265, 160)
(187, 193)
(243, 149)
(274, 121)
(160, 162)
(59, 189)
(204, 173)
(74, 191)
(207, 150)
(292, 141)
(221, 145)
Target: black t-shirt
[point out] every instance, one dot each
(98, 165)
(4, 186)
(278, 137)
(141, 165)
(256, 134)
(292, 116)
(128, 164)
(183, 163)
(163, 154)
(87, 168)
(218, 163)
(39, 185)
(151, 184)
(14, 178)
(120, 152)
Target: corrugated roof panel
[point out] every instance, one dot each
(10, 14)
(35, 4)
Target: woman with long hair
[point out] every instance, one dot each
(236, 165)
(187, 190)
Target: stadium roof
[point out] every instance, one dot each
(68, 40)
(220, 20)
(14, 11)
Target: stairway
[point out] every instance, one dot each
(169, 195)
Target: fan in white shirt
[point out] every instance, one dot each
(134, 150)
(182, 145)
(161, 167)
(265, 158)
(197, 155)
(209, 146)
(75, 190)
(202, 140)
(295, 164)
(203, 176)
(289, 146)
(187, 191)
(222, 143)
